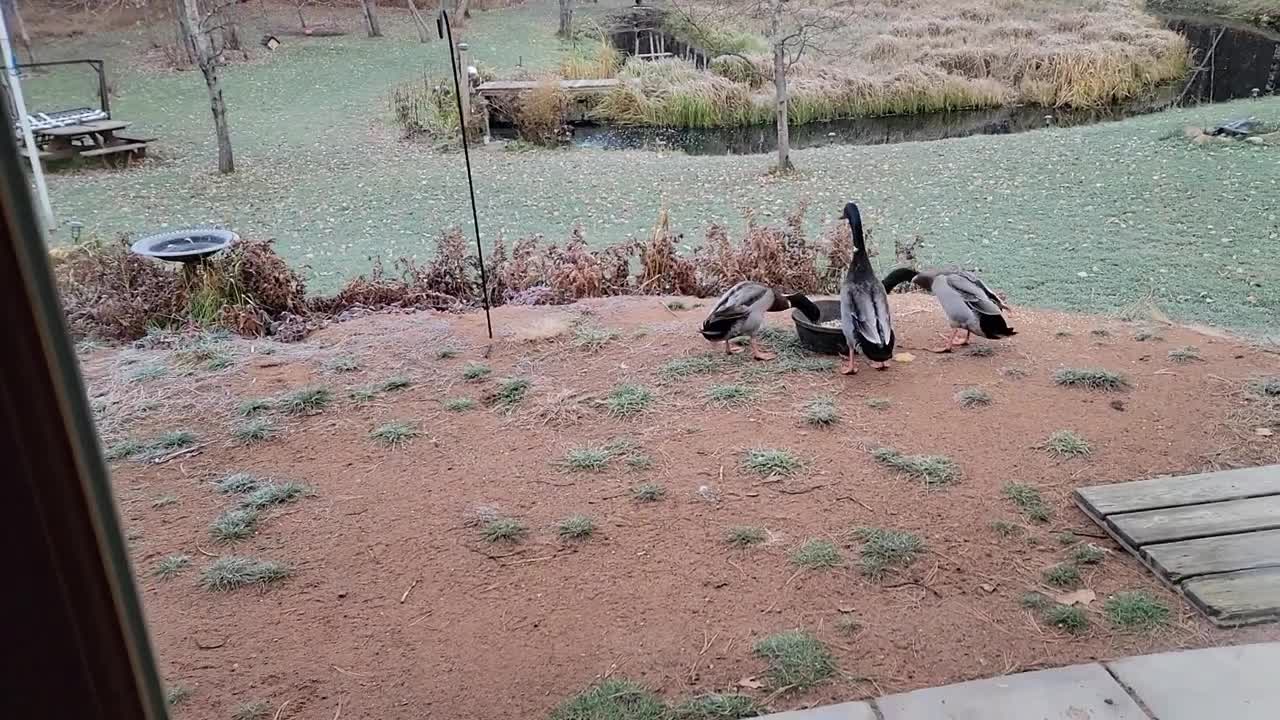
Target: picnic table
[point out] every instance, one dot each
(97, 138)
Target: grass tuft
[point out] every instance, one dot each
(1028, 500)
(876, 403)
(268, 494)
(446, 353)
(591, 338)
(639, 462)
(771, 462)
(884, 549)
(613, 699)
(1099, 332)
(307, 401)
(745, 536)
(1088, 555)
(503, 530)
(170, 565)
(253, 406)
(1091, 379)
(1005, 529)
(576, 527)
(821, 412)
(123, 450)
(1136, 611)
(1185, 354)
(680, 368)
(362, 395)
(797, 660)
(980, 350)
(1063, 575)
(461, 404)
(973, 397)
(716, 707)
(254, 431)
(1067, 444)
(231, 571)
(628, 400)
(510, 393)
(174, 440)
(676, 306)
(395, 382)
(237, 484)
(727, 396)
(251, 711)
(147, 373)
(236, 524)
(1147, 335)
(1036, 601)
(343, 364)
(934, 470)
(394, 434)
(1069, 618)
(476, 371)
(816, 555)
(164, 501)
(587, 459)
(177, 695)
(648, 492)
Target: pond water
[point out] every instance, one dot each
(1245, 63)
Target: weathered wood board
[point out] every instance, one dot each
(1214, 537)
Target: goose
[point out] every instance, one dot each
(970, 305)
(740, 311)
(864, 305)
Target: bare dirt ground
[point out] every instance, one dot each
(398, 608)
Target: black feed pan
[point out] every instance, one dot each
(186, 246)
(826, 340)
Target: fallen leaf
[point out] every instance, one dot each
(1079, 597)
(904, 357)
(750, 683)
(1264, 432)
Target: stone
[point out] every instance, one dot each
(843, 711)
(1228, 682)
(1078, 692)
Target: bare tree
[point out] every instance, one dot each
(13, 18)
(197, 29)
(566, 19)
(424, 33)
(370, 10)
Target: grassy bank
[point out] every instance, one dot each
(1263, 13)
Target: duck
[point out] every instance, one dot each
(864, 304)
(741, 311)
(971, 306)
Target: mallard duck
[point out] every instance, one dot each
(740, 311)
(864, 305)
(969, 304)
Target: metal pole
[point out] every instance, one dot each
(463, 79)
(446, 31)
(33, 152)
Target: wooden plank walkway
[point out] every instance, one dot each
(1214, 537)
(573, 87)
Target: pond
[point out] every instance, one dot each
(1245, 62)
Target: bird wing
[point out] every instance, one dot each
(866, 312)
(983, 287)
(954, 304)
(975, 294)
(740, 298)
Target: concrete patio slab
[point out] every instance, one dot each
(843, 711)
(1228, 682)
(1079, 692)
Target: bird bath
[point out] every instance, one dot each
(189, 245)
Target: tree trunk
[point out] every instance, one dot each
(198, 40)
(301, 20)
(566, 19)
(370, 10)
(424, 33)
(780, 90)
(463, 11)
(13, 16)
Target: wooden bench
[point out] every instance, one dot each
(138, 148)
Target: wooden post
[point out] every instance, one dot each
(464, 82)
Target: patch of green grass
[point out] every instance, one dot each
(797, 660)
(362, 395)
(447, 353)
(147, 373)
(727, 396)
(164, 501)
(476, 371)
(1069, 618)
(1014, 372)
(804, 362)
(251, 711)
(1091, 379)
(648, 492)
(591, 338)
(587, 459)
(680, 368)
(628, 400)
(639, 462)
(254, 431)
(576, 527)
(510, 393)
(1036, 601)
(816, 555)
(1067, 444)
(503, 529)
(1066, 538)
(460, 404)
(1028, 500)
(885, 549)
(821, 412)
(237, 484)
(235, 524)
(877, 403)
(1185, 354)
(717, 707)
(613, 699)
(174, 440)
(1063, 575)
(934, 470)
(232, 571)
(394, 383)
(1135, 611)
(176, 695)
(395, 434)
(1147, 335)
(343, 364)
(1005, 529)
(170, 566)
(769, 462)
(973, 397)
(218, 361)
(272, 493)
(745, 536)
(123, 450)
(253, 406)
(676, 306)
(980, 350)
(306, 401)
(1088, 555)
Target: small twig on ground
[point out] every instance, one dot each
(338, 714)
(405, 596)
(915, 583)
(776, 694)
(204, 552)
(531, 560)
(351, 673)
(281, 710)
(739, 569)
(850, 497)
(420, 619)
(801, 491)
(664, 307)
(176, 453)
